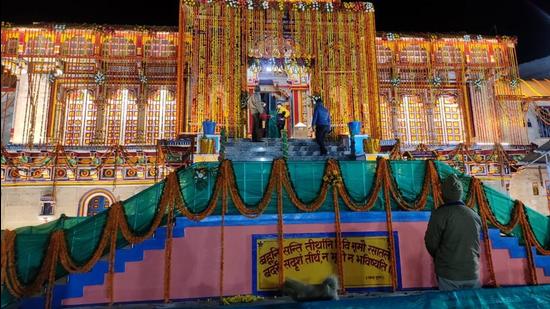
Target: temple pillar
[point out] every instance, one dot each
(142, 108)
(429, 104)
(20, 110)
(58, 117)
(31, 107)
(394, 105)
(101, 105)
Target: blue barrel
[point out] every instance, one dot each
(208, 127)
(354, 127)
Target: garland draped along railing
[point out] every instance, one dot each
(57, 259)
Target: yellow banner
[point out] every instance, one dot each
(366, 261)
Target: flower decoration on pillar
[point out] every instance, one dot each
(514, 83)
(315, 6)
(301, 6)
(479, 37)
(249, 4)
(52, 77)
(265, 4)
(232, 3)
(99, 78)
(391, 36)
(395, 81)
(467, 38)
(329, 7)
(189, 2)
(142, 79)
(478, 83)
(436, 81)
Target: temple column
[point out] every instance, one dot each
(394, 105)
(58, 117)
(142, 108)
(429, 104)
(101, 106)
(21, 108)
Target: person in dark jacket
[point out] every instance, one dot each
(452, 239)
(256, 107)
(321, 124)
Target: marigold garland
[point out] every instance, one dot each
(222, 230)
(57, 251)
(168, 251)
(280, 228)
(391, 240)
(339, 243)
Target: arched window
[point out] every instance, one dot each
(121, 117)
(478, 55)
(119, 47)
(448, 122)
(39, 45)
(161, 115)
(413, 54)
(80, 117)
(77, 46)
(383, 54)
(11, 46)
(160, 47)
(411, 120)
(448, 54)
(94, 202)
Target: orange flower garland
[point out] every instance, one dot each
(58, 252)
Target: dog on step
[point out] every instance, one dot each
(298, 291)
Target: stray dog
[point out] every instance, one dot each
(327, 290)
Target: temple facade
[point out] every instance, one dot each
(93, 114)
(83, 86)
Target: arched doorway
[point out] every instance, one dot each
(94, 202)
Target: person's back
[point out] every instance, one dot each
(456, 257)
(321, 116)
(452, 239)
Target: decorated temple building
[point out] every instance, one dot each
(126, 150)
(104, 107)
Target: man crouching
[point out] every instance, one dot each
(298, 291)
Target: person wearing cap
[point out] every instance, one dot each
(452, 239)
(256, 107)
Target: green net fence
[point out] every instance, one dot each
(198, 181)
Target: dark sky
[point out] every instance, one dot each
(529, 20)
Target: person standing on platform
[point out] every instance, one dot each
(282, 115)
(320, 124)
(256, 107)
(452, 239)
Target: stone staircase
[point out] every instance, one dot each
(271, 148)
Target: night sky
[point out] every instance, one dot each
(528, 20)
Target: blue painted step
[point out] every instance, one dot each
(517, 251)
(76, 282)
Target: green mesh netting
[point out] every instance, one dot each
(83, 234)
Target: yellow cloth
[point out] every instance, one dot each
(282, 110)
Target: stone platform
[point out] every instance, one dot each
(271, 148)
